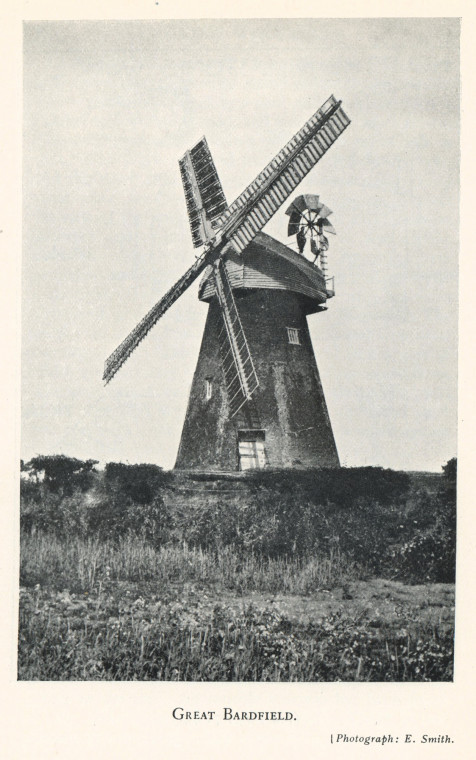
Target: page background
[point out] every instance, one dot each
(44, 720)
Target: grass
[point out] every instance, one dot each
(103, 610)
(81, 564)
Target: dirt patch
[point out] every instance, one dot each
(375, 602)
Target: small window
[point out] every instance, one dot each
(251, 449)
(208, 389)
(293, 336)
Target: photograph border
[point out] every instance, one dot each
(117, 720)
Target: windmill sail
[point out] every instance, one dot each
(248, 214)
(240, 376)
(125, 349)
(204, 194)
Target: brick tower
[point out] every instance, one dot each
(286, 424)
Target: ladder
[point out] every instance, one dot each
(240, 376)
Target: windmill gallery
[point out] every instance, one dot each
(256, 398)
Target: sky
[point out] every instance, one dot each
(110, 107)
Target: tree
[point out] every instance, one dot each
(450, 471)
(61, 473)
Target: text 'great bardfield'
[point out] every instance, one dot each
(227, 713)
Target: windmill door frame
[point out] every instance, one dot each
(251, 450)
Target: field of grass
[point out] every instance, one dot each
(275, 580)
(92, 610)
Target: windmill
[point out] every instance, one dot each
(252, 403)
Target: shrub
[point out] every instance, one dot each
(140, 482)
(280, 514)
(342, 486)
(116, 515)
(427, 550)
(56, 513)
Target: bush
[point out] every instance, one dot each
(342, 486)
(94, 514)
(115, 516)
(371, 516)
(54, 513)
(139, 482)
(303, 512)
(427, 550)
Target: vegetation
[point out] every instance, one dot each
(136, 573)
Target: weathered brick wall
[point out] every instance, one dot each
(209, 437)
(290, 401)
